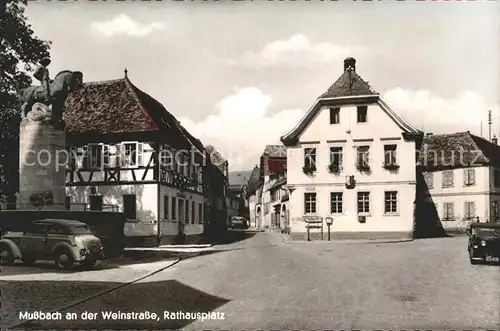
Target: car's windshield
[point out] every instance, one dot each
(80, 229)
(488, 232)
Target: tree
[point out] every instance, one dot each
(18, 47)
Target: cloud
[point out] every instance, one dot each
(124, 25)
(296, 51)
(242, 127)
(436, 114)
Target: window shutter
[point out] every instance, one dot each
(86, 156)
(387, 157)
(120, 155)
(394, 154)
(472, 174)
(140, 151)
(105, 155)
(466, 176)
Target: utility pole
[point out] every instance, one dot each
(489, 125)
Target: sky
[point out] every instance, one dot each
(238, 75)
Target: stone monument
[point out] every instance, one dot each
(42, 139)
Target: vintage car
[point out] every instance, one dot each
(238, 222)
(484, 242)
(65, 241)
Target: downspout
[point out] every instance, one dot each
(158, 191)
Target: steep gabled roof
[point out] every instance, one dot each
(275, 151)
(349, 88)
(216, 158)
(254, 182)
(118, 106)
(457, 150)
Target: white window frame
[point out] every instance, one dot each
(448, 179)
(358, 108)
(469, 210)
(363, 197)
(337, 152)
(469, 177)
(132, 160)
(95, 160)
(363, 156)
(392, 198)
(337, 202)
(447, 206)
(312, 202)
(390, 155)
(310, 156)
(334, 115)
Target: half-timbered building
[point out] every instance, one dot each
(127, 150)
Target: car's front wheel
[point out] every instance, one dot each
(63, 259)
(6, 256)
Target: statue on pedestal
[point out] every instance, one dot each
(46, 102)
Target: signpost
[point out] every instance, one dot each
(329, 221)
(313, 222)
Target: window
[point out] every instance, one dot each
(129, 155)
(448, 211)
(129, 206)
(391, 202)
(174, 208)
(310, 157)
(200, 212)
(166, 200)
(363, 157)
(67, 202)
(363, 202)
(274, 196)
(95, 156)
(73, 154)
(469, 177)
(429, 179)
(266, 208)
(336, 203)
(310, 203)
(362, 112)
(448, 178)
(336, 156)
(496, 177)
(106, 156)
(193, 212)
(96, 202)
(469, 210)
(390, 154)
(334, 115)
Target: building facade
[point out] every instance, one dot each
(272, 169)
(352, 158)
(127, 150)
(216, 175)
(253, 184)
(459, 182)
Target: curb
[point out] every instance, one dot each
(76, 303)
(186, 246)
(344, 241)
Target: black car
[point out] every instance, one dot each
(484, 243)
(238, 222)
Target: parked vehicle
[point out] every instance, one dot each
(238, 222)
(484, 242)
(65, 241)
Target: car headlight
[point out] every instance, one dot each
(483, 243)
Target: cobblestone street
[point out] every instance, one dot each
(262, 283)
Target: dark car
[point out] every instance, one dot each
(238, 222)
(65, 241)
(484, 243)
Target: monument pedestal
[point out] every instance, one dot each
(42, 165)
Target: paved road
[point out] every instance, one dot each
(260, 283)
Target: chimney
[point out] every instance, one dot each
(350, 62)
(494, 140)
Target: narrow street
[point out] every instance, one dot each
(262, 283)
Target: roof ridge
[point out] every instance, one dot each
(97, 82)
(132, 89)
(476, 146)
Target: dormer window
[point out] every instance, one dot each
(362, 114)
(334, 115)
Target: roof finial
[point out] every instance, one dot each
(126, 71)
